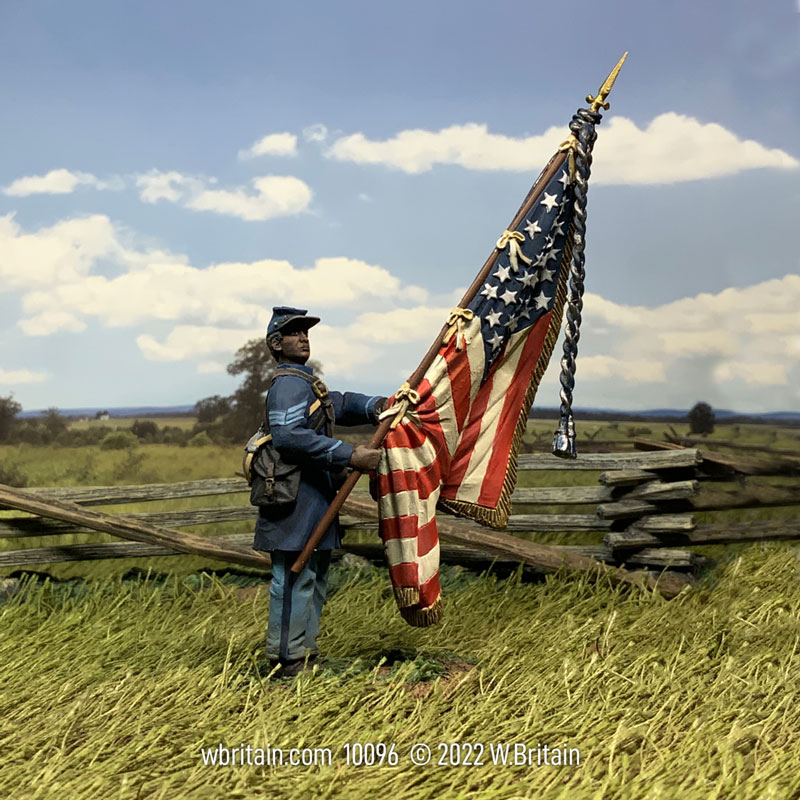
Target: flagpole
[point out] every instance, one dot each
(544, 178)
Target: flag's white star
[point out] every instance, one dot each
(551, 256)
(528, 279)
(541, 300)
(541, 259)
(525, 312)
(489, 291)
(493, 318)
(564, 179)
(548, 241)
(549, 201)
(532, 228)
(495, 341)
(508, 296)
(546, 274)
(558, 227)
(513, 321)
(502, 274)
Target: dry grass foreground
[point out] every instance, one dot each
(109, 689)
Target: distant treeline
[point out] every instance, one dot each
(624, 416)
(54, 430)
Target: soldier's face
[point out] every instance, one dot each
(295, 347)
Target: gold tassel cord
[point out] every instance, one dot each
(458, 319)
(570, 144)
(404, 397)
(512, 240)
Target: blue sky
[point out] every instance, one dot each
(172, 171)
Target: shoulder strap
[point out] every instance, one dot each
(320, 391)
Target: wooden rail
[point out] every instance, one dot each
(644, 504)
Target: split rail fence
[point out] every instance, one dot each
(643, 510)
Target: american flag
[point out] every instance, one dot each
(456, 449)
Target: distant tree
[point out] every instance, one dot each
(144, 429)
(255, 362)
(118, 440)
(54, 423)
(701, 419)
(9, 408)
(201, 439)
(209, 408)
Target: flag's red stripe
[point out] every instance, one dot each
(429, 591)
(460, 381)
(512, 404)
(425, 480)
(427, 538)
(404, 575)
(408, 528)
(399, 527)
(409, 436)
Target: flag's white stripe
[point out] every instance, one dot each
(470, 487)
(411, 458)
(409, 504)
(404, 551)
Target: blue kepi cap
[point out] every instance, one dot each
(282, 316)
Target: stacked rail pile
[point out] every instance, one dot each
(644, 505)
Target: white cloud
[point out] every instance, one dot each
(740, 342)
(65, 253)
(227, 293)
(171, 186)
(420, 323)
(56, 270)
(50, 322)
(766, 373)
(672, 148)
(274, 144)
(717, 347)
(58, 181)
(274, 196)
(629, 370)
(315, 133)
(270, 195)
(188, 342)
(11, 377)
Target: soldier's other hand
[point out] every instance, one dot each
(364, 458)
(381, 405)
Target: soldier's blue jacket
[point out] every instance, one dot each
(289, 404)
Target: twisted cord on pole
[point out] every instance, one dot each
(583, 128)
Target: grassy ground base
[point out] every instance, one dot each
(111, 688)
(113, 680)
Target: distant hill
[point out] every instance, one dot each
(125, 411)
(653, 414)
(672, 415)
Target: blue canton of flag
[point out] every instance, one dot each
(523, 287)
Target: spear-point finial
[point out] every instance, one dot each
(600, 101)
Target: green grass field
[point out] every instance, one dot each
(123, 423)
(117, 673)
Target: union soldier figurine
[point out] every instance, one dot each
(300, 412)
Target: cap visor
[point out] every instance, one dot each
(299, 324)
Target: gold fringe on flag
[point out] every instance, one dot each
(423, 617)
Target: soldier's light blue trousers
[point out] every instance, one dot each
(295, 604)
